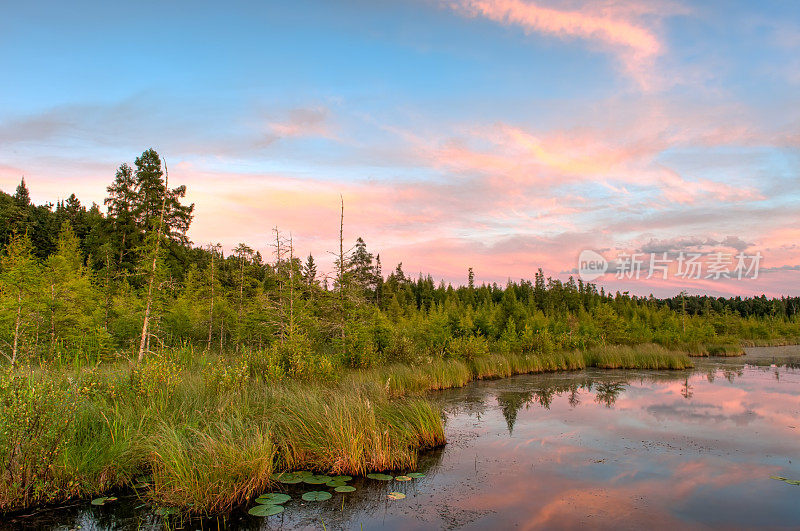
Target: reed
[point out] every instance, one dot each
(211, 433)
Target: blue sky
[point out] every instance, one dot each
(503, 135)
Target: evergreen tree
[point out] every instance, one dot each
(152, 195)
(121, 202)
(19, 289)
(22, 197)
(310, 271)
(69, 295)
(360, 268)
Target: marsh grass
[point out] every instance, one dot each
(402, 380)
(211, 432)
(647, 356)
(774, 342)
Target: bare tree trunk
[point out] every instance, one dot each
(341, 270)
(108, 289)
(52, 319)
(291, 287)
(221, 334)
(17, 322)
(241, 304)
(281, 310)
(143, 343)
(211, 307)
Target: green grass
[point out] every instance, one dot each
(647, 356)
(211, 432)
(402, 380)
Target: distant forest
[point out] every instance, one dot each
(78, 282)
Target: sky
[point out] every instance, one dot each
(500, 135)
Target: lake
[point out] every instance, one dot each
(606, 449)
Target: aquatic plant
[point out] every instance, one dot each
(317, 495)
(265, 510)
(273, 498)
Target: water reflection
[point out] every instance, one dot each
(608, 449)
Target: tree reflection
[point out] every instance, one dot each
(510, 404)
(687, 391)
(606, 393)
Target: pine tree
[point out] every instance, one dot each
(310, 271)
(360, 268)
(244, 256)
(22, 197)
(121, 203)
(19, 286)
(69, 296)
(152, 195)
(152, 257)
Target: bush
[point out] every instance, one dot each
(34, 430)
(467, 348)
(156, 378)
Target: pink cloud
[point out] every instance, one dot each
(615, 26)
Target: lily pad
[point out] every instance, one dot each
(317, 495)
(342, 478)
(396, 496)
(316, 480)
(303, 473)
(415, 475)
(265, 510)
(273, 498)
(345, 488)
(380, 477)
(166, 511)
(290, 479)
(335, 483)
(104, 500)
(402, 478)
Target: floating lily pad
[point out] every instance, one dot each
(166, 511)
(402, 478)
(303, 473)
(415, 475)
(380, 477)
(779, 478)
(273, 498)
(317, 495)
(104, 500)
(396, 496)
(345, 488)
(316, 480)
(290, 479)
(341, 478)
(265, 510)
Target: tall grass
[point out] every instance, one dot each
(401, 380)
(212, 431)
(646, 356)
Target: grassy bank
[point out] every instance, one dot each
(403, 380)
(209, 443)
(210, 432)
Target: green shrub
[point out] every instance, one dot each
(34, 430)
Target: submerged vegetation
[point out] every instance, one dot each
(129, 352)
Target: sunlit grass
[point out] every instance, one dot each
(213, 444)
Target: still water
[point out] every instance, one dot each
(605, 449)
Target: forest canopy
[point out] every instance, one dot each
(77, 281)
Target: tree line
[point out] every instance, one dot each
(87, 283)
